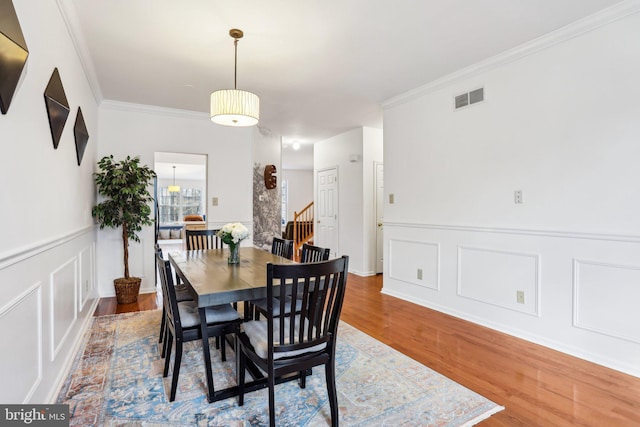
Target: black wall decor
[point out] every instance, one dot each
(81, 135)
(13, 53)
(57, 106)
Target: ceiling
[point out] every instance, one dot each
(319, 67)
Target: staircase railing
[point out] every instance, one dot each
(302, 229)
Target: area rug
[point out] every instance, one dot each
(116, 380)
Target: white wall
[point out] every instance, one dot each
(47, 250)
(127, 129)
(356, 232)
(561, 124)
(300, 190)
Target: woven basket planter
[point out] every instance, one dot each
(127, 289)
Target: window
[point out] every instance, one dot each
(174, 206)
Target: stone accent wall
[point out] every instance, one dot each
(266, 209)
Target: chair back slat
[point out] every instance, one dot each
(202, 239)
(312, 253)
(320, 287)
(282, 247)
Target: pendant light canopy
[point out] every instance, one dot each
(233, 107)
(174, 188)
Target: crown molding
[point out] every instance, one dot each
(575, 29)
(152, 109)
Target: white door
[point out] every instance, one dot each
(326, 234)
(379, 183)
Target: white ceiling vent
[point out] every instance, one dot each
(469, 98)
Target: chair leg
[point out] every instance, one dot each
(162, 325)
(329, 370)
(168, 342)
(223, 348)
(303, 378)
(240, 372)
(176, 371)
(272, 400)
(164, 342)
(248, 310)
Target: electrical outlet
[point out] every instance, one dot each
(214, 201)
(419, 274)
(517, 196)
(520, 297)
(391, 199)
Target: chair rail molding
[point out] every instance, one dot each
(632, 238)
(9, 258)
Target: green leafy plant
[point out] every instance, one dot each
(124, 185)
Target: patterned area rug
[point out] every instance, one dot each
(116, 380)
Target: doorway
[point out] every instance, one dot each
(180, 190)
(327, 210)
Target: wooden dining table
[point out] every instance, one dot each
(213, 281)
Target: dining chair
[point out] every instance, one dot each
(280, 247)
(183, 324)
(182, 294)
(312, 253)
(293, 342)
(202, 239)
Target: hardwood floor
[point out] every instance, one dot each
(536, 385)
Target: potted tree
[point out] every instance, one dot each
(124, 185)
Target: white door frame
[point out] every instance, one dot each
(379, 217)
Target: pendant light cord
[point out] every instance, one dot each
(235, 65)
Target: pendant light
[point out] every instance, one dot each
(174, 188)
(233, 107)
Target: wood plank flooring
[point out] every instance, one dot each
(538, 386)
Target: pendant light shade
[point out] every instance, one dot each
(174, 188)
(233, 107)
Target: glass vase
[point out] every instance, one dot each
(234, 258)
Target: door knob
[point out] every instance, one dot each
(379, 224)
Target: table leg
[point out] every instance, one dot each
(206, 352)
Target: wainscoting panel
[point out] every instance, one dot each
(39, 313)
(579, 291)
(415, 262)
(602, 289)
(21, 358)
(497, 277)
(63, 303)
(85, 275)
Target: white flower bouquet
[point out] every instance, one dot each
(232, 233)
